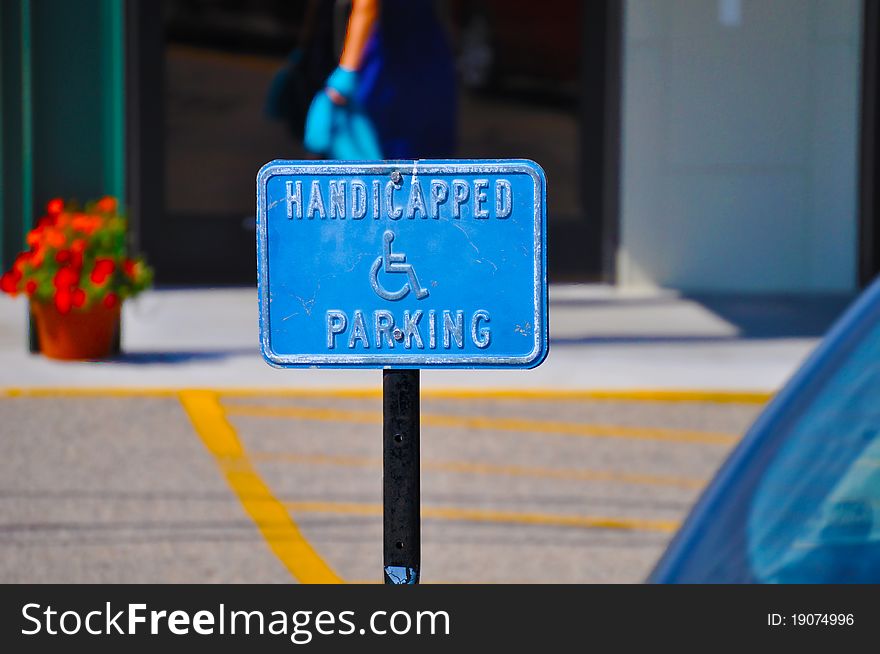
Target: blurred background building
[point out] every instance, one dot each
(700, 145)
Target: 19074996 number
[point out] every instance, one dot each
(810, 619)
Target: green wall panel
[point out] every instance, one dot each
(63, 99)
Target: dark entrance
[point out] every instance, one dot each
(535, 83)
(198, 75)
(544, 85)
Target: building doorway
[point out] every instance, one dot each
(199, 70)
(869, 200)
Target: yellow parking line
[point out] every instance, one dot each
(346, 393)
(579, 429)
(491, 516)
(466, 467)
(274, 522)
(536, 394)
(633, 395)
(484, 422)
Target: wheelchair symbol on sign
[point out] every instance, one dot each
(392, 262)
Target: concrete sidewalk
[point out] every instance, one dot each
(601, 338)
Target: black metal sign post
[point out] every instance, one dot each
(400, 480)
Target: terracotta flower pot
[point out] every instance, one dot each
(77, 334)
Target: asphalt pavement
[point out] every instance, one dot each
(188, 459)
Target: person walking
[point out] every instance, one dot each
(393, 95)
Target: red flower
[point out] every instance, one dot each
(63, 300)
(33, 236)
(87, 224)
(107, 204)
(61, 241)
(55, 206)
(103, 269)
(20, 260)
(9, 282)
(55, 237)
(65, 278)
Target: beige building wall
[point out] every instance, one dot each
(739, 152)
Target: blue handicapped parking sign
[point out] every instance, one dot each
(402, 264)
